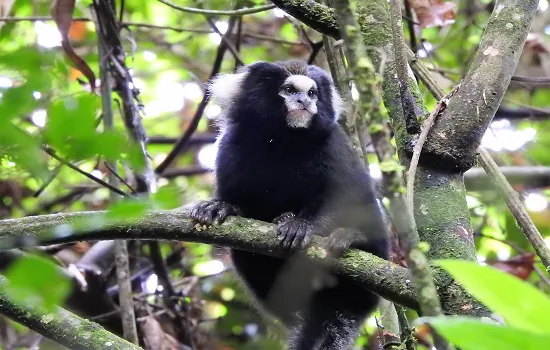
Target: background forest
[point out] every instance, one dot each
(105, 120)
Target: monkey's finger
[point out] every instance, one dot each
(287, 234)
(298, 232)
(209, 212)
(306, 239)
(223, 213)
(198, 212)
(299, 236)
(281, 231)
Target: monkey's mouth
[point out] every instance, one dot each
(300, 113)
(299, 118)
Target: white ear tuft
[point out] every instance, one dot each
(225, 87)
(337, 103)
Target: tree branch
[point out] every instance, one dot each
(383, 277)
(458, 131)
(239, 12)
(61, 325)
(313, 14)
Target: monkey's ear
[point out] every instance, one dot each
(226, 87)
(337, 102)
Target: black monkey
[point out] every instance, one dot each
(283, 158)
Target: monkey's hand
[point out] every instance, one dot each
(211, 211)
(293, 232)
(341, 240)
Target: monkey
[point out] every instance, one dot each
(282, 157)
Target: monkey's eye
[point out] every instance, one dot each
(289, 89)
(311, 93)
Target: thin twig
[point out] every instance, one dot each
(406, 332)
(105, 14)
(411, 24)
(532, 80)
(239, 12)
(225, 39)
(183, 140)
(52, 177)
(112, 171)
(53, 154)
(316, 48)
(426, 127)
(516, 207)
(409, 108)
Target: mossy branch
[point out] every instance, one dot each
(457, 133)
(61, 326)
(390, 281)
(383, 277)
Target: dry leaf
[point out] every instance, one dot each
(78, 31)
(433, 13)
(520, 266)
(62, 13)
(5, 8)
(155, 338)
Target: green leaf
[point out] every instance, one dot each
(22, 149)
(519, 303)
(71, 125)
(470, 333)
(167, 197)
(127, 209)
(34, 280)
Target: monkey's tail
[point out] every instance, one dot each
(334, 318)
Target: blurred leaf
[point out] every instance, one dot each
(71, 130)
(470, 333)
(167, 197)
(18, 100)
(127, 209)
(519, 303)
(22, 149)
(34, 280)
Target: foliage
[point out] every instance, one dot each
(44, 101)
(524, 308)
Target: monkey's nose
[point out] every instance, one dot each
(306, 102)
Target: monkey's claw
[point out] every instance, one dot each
(208, 212)
(284, 217)
(294, 233)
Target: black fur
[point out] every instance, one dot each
(308, 181)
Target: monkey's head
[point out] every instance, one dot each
(290, 93)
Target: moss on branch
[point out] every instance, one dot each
(62, 326)
(315, 15)
(383, 277)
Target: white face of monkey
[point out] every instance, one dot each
(299, 92)
(300, 95)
